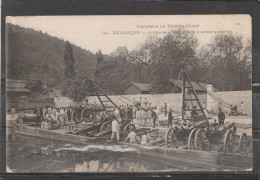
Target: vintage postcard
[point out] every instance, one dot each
(129, 93)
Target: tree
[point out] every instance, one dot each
(35, 85)
(230, 62)
(75, 90)
(99, 56)
(121, 52)
(167, 55)
(69, 72)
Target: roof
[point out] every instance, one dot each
(140, 86)
(195, 85)
(14, 85)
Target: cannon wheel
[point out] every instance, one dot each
(171, 139)
(87, 114)
(243, 143)
(76, 117)
(128, 127)
(201, 141)
(124, 121)
(191, 142)
(229, 142)
(104, 118)
(105, 126)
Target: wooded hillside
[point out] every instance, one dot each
(33, 54)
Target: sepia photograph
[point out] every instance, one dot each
(128, 93)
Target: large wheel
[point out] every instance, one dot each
(201, 141)
(243, 143)
(105, 126)
(129, 127)
(103, 118)
(191, 139)
(124, 121)
(229, 142)
(171, 140)
(87, 115)
(75, 115)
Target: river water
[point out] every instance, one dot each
(29, 154)
(37, 155)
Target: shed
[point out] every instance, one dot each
(14, 85)
(137, 88)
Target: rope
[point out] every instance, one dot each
(215, 97)
(122, 97)
(176, 83)
(116, 96)
(130, 100)
(121, 100)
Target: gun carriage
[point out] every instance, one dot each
(98, 116)
(198, 131)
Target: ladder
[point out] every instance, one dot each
(102, 96)
(190, 96)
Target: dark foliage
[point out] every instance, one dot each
(69, 71)
(100, 57)
(28, 50)
(35, 85)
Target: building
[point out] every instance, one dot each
(18, 96)
(198, 86)
(137, 88)
(16, 88)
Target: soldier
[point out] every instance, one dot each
(115, 130)
(165, 109)
(242, 106)
(221, 117)
(149, 117)
(145, 140)
(170, 118)
(194, 114)
(132, 137)
(154, 117)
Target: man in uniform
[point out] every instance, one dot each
(242, 107)
(115, 130)
(165, 109)
(132, 137)
(170, 118)
(221, 117)
(154, 117)
(194, 114)
(117, 114)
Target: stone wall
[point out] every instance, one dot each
(173, 101)
(235, 98)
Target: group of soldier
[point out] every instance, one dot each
(48, 116)
(141, 111)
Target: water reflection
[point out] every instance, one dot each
(28, 154)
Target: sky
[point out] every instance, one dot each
(110, 31)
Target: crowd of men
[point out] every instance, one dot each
(48, 116)
(142, 111)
